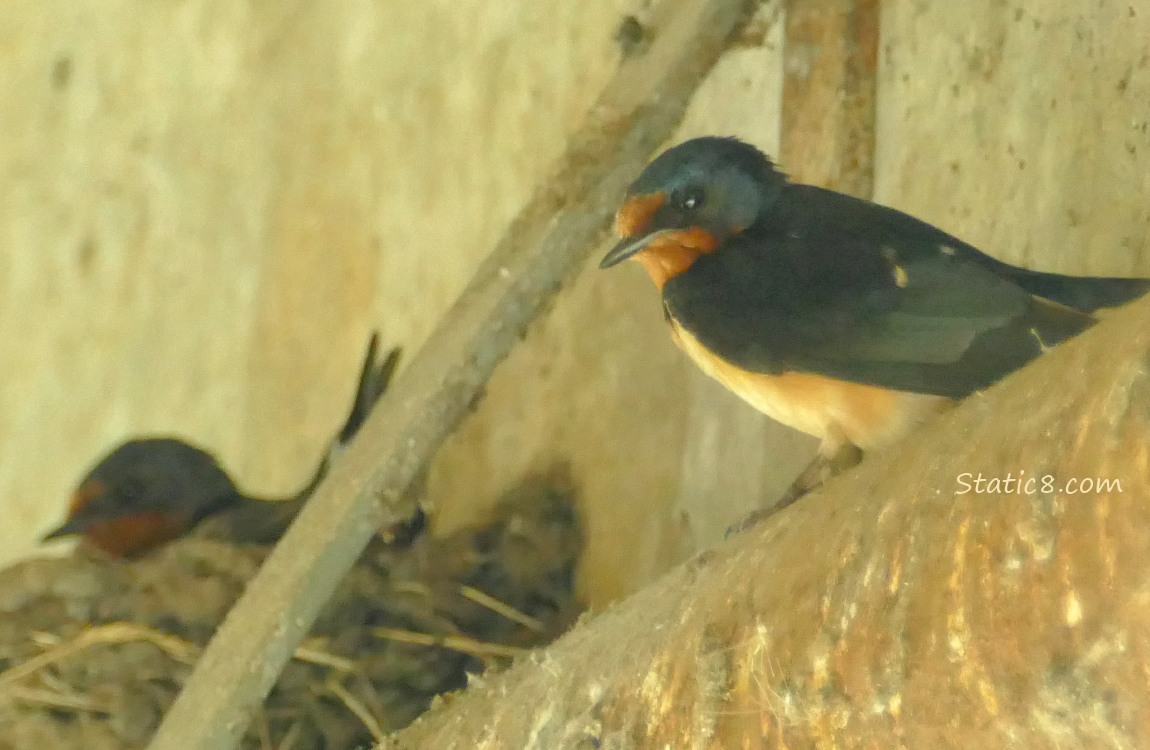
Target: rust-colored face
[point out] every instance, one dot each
(664, 253)
(634, 216)
(124, 534)
(133, 535)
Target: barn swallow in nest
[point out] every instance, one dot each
(149, 491)
(841, 318)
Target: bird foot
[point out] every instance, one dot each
(823, 467)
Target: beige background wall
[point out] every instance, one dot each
(1024, 127)
(206, 206)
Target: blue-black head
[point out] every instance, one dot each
(695, 196)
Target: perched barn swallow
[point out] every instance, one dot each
(149, 491)
(833, 315)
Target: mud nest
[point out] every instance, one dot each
(92, 652)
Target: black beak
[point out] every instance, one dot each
(70, 528)
(629, 246)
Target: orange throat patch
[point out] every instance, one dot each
(129, 536)
(671, 255)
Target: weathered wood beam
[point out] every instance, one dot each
(897, 606)
(549, 240)
(829, 91)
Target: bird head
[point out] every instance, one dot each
(144, 493)
(690, 200)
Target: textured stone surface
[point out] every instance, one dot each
(1021, 126)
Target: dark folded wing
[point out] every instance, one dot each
(1083, 293)
(844, 290)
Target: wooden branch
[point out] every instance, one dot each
(549, 240)
(896, 607)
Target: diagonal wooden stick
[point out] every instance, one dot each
(545, 244)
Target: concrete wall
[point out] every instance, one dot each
(208, 205)
(1024, 128)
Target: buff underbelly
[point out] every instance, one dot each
(834, 411)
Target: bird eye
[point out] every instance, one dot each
(690, 198)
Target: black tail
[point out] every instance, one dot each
(263, 522)
(1085, 293)
(373, 381)
(374, 378)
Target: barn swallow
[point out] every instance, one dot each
(844, 319)
(149, 491)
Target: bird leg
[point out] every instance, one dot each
(832, 458)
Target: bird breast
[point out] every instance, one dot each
(835, 411)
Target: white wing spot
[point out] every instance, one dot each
(900, 277)
(946, 250)
(896, 270)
